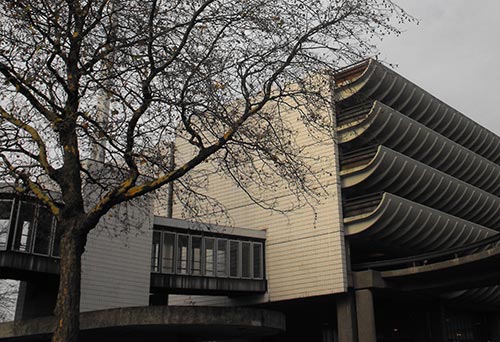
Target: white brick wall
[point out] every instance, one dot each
(305, 247)
(117, 259)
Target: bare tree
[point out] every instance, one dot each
(130, 77)
(8, 297)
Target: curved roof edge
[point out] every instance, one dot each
(487, 297)
(371, 79)
(398, 223)
(400, 133)
(398, 174)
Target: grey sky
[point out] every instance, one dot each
(453, 53)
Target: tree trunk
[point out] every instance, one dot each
(67, 309)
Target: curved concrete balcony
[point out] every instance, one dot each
(486, 297)
(372, 80)
(404, 227)
(156, 323)
(388, 127)
(398, 174)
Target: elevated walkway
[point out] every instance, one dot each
(197, 258)
(29, 239)
(187, 257)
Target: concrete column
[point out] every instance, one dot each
(327, 334)
(36, 298)
(346, 318)
(158, 299)
(436, 321)
(494, 327)
(365, 314)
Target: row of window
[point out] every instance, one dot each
(33, 226)
(177, 253)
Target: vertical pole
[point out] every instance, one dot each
(170, 186)
(346, 318)
(365, 316)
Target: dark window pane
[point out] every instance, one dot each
(43, 231)
(209, 257)
(246, 260)
(57, 239)
(5, 211)
(221, 258)
(234, 252)
(24, 227)
(257, 261)
(167, 264)
(182, 254)
(196, 255)
(155, 252)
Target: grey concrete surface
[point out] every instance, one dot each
(155, 323)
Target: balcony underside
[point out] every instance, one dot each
(392, 129)
(398, 174)
(391, 223)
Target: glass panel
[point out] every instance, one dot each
(57, 240)
(155, 252)
(234, 252)
(257, 261)
(5, 210)
(43, 231)
(196, 255)
(209, 255)
(221, 258)
(24, 229)
(167, 264)
(246, 260)
(182, 254)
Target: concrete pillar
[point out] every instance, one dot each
(328, 334)
(346, 318)
(436, 324)
(494, 327)
(36, 298)
(365, 315)
(158, 299)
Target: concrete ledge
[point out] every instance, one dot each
(183, 284)
(154, 323)
(23, 266)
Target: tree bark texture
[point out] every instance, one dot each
(68, 300)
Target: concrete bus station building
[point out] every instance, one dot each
(403, 248)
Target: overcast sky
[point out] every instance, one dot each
(453, 54)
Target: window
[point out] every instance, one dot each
(182, 253)
(5, 212)
(209, 257)
(43, 234)
(186, 254)
(234, 253)
(155, 252)
(246, 260)
(57, 240)
(167, 263)
(24, 228)
(221, 258)
(257, 261)
(196, 255)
